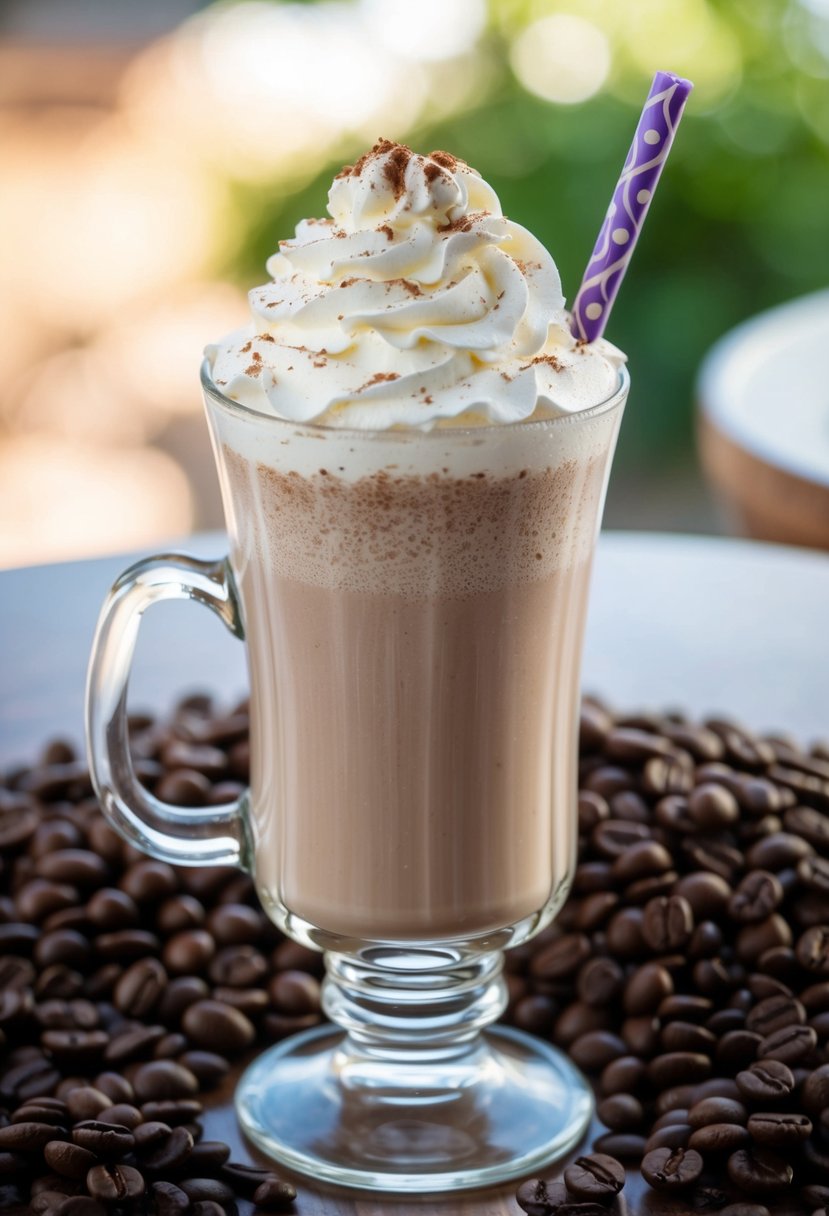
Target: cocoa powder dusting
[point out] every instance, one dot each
(445, 159)
(394, 170)
(389, 231)
(378, 378)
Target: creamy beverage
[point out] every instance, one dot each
(413, 567)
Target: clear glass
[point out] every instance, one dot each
(413, 607)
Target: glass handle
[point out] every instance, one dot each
(181, 836)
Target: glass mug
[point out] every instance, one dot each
(413, 606)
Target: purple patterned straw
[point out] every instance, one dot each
(629, 205)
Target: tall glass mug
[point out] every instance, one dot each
(413, 606)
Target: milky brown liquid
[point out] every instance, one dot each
(414, 649)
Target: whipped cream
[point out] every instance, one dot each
(416, 304)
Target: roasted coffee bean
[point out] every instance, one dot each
(594, 910)
(684, 1007)
(560, 958)
(178, 996)
(667, 923)
(812, 949)
(594, 1176)
(759, 1172)
(646, 988)
(744, 1209)
(625, 1146)
(238, 967)
(641, 1035)
(778, 1129)
(274, 1194)
(668, 1169)
(594, 1050)
(758, 895)
(777, 852)
(206, 1158)
(672, 1135)
(713, 807)
(112, 909)
(815, 1090)
(678, 1068)
(707, 894)
(208, 1067)
(789, 1045)
(123, 1114)
(235, 925)
(685, 1036)
(173, 1111)
(69, 1160)
(646, 859)
(167, 1199)
(774, 1013)
(111, 1141)
(126, 945)
(132, 1045)
(114, 1183)
(207, 1207)
(161, 1079)
(116, 1087)
(168, 1151)
(188, 952)
(76, 867)
(625, 939)
(184, 787)
(206, 1189)
(719, 1138)
(621, 1112)
(767, 1081)
(29, 1137)
(623, 1076)
(213, 1025)
(717, 1110)
(140, 987)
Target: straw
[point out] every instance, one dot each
(629, 205)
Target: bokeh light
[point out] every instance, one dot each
(561, 58)
(430, 30)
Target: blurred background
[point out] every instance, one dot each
(153, 153)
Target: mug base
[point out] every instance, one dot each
(522, 1106)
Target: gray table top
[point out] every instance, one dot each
(700, 623)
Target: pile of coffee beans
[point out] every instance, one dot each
(688, 975)
(129, 987)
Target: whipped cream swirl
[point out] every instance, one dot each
(417, 303)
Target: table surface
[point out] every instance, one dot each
(707, 624)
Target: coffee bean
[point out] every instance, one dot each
(719, 1138)
(28, 1137)
(112, 909)
(759, 1172)
(757, 896)
(184, 787)
(685, 1008)
(206, 1158)
(140, 987)
(777, 851)
(111, 1141)
(678, 1068)
(717, 1110)
(712, 806)
(69, 1160)
(561, 958)
(777, 1129)
(199, 1189)
(594, 1050)
(789, 1045)
(685, 1036)
(167, 1199)
(134, 1044)
(625, 939)
(116, 1087)
(212, 1025)
(667, 923)
(179, 995)
(235, 925)
(668, 1169)
(176, 1112)
(208, 1067)
(594, 1176)
(76, 867)
(744, 1209)
(623, 1076)
(114, 1183)
(672, 1135)
(163, 1079)
(774, 1013)
(126, 945)
(276, 1194)
(625, 1146)
(621, 1112)
(812, 949)
(188, 951)
(815, 1091)
(646, 988)
(766, 1081)
(207, 1207)
(238, 966)
(168, 1151)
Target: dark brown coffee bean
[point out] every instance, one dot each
(235, 925)
(167, 1199)
(149, 881)
(126, 945)
(678, 1068)
(768, 1081)
(42, 1110)
(39, 898)
(599, 982)
(717, 1110)
(534, 1014)
(212, 1025)
(179, 913)
(208, 1067)
(594, 1050)
(28, 1079)
(744, 1209)
(667, 923)
(140, 987)
(789, 1045)
(712, 807)
(133, 1045)
(108, 1140)
(719, 1138)
(613, 837)
(116, 1087)
(625, 939)
(28, 1137)
(87, 1102)
(110, 909)
(646, 859)
(708, 894)
(179, 995)
(813, 873)
(812, 949)
(625, 1146)
(206, 1158)
(755, 939)
(672, 1135)
(169, 1151)
(188, 952)
(685, 1036)
(75, 1048)
(77, 867)
(122, 1113)
(623, 1076)
(759, 1172)
(757, 896)
(815, 1092)
(594, 1176)
(200, 1189)
(184, 787)
(683, 1007)
(207, 1207)
(590, 877)
(737, 1049)
(774, 1013)
(668, 1169)
(671, 812)
(163, 1079)
(114, 1183)
(175, 1111)
(715, 856)
(621, 1112)
(777, 852)
(646, 988)
(274, 1194)
(560, 958)
(777, 1129)
(69, 1160)
(63, 946)
(641, 1035)
(238, 966)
